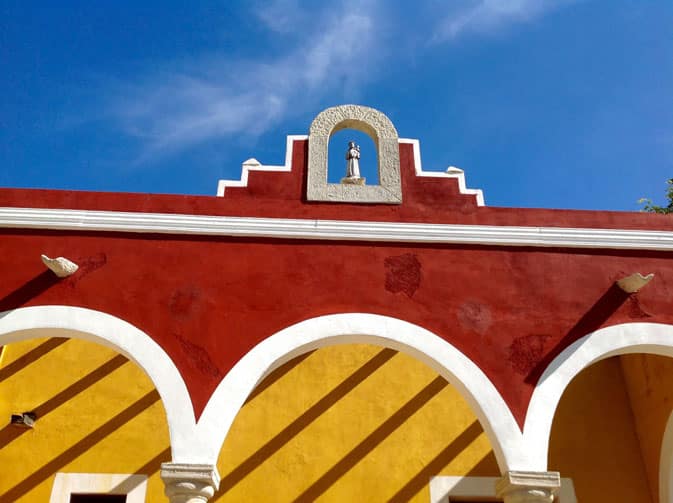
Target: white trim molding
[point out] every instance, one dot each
(67, 484)
(95, 326)
(451, 172)
(255, 166)
(528, 487)
(286, 228)
(651, 338)
(482, 396)
(189, 483)
(444, 488)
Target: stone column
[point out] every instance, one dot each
(528, 487)
(189, 483)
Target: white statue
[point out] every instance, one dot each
(353, 161)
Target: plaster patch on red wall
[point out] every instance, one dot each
(182, 301)
(198, 357)
(636, 310)
(475, 316)
(403, 273)
(525, 352)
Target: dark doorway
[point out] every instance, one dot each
(98, 498)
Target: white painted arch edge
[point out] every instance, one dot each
(650, 338)
(102, 328)
(491, 410)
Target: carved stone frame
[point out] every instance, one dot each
(383, 133)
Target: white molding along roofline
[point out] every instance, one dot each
(451, 172)
(102, 328)
(255, 166)
(314, 229)
(479, 392)
(650, 338)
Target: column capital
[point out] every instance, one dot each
(189, 483)
(528, 487)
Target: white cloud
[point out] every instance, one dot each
(217, 97)
(485, 16)
(281, 16)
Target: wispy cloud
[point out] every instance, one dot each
(281, 16)
(486, 16)
(216, 97)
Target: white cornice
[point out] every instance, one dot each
(166, 223)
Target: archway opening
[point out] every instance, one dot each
(94, 412)
(608, 427)
(337, 148)
(348, 421)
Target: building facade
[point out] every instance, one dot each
(298, 340)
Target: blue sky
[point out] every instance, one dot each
(559, 104)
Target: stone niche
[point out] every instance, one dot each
(382, 132)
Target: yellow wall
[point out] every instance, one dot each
(345, 423)
(594, 438)
(649, 382)
(351, 423)
(97, 413)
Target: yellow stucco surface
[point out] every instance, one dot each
(594, 439)
(96, 413)
(649, 382)
(345, 423)
(351, 423)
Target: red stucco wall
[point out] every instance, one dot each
(207, 301)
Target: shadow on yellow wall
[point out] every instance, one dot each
(96, 413)
(350, 423)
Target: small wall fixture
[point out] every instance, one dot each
(60, 266)
(23, 420)
(633, 283)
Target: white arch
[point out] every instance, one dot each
(491, 410)
(653, 338)
(80, 323)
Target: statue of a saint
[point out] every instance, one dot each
(353, 161)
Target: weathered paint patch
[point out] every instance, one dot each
(525, 352)
(475, 316)
(403, 273)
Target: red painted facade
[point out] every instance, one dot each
(208, 300)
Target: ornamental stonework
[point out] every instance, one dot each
(383, 133)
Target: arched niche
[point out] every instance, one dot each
(383, 133)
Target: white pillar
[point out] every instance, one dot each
(189, 483)
(528, 487)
